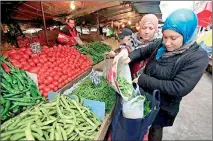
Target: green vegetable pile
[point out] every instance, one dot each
(126, 88)
(95, 49)
(18, 91)
(103, 93)
(147, 108)
(61, 119)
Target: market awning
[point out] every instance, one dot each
(147, 7)
(31, 10)
(204, 14)
(107, 11)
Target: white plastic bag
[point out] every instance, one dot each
(122, 70)
(134, 108)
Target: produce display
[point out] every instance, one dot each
(103, 92)
(95, 49)
(18, 91)
(61, 119)
(55, 66)
(26, 41)
(23, 43)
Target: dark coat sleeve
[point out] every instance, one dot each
(185, 79)
(144, 52)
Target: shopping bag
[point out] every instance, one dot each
(119, 78)
(107, 65)
(133, 129)
(134, 108)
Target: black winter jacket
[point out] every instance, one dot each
(174, 76)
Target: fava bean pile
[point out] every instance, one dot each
(103, 93)
(62, 119)
(95, 49)
(18, 91)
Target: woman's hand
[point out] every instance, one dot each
(135, 80)
(110, 54)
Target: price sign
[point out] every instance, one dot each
(36, 47)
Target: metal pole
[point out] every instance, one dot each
(45, 28)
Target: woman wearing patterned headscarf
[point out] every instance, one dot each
(147, 33)
(176, 65)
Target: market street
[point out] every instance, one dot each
(194, 121)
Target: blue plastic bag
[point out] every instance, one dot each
(133, 129)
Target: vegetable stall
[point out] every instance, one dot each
(50, 90)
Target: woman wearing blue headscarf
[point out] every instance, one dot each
(176, 64)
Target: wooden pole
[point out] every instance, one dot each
(98, 21)
(98, 24)
(44, 22)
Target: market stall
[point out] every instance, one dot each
(52, 91)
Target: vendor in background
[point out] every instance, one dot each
(69, 35)
(123, 38)
(147, 33)
(175, 67)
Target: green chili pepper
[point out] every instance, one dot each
(6, 76)
(7, 107)
(9, 89)
(2, 100)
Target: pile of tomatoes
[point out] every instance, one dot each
(55, 66)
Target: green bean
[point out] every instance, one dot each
(84, 136)
(17, 136)
(52, 135)
(64, 134)
(28, 132)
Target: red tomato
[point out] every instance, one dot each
(41, 91)
(15, 56)
(55, 89)
(56, 77)
(26, 67)
(41, 61)
(24, 62)
(69, 79)
(46, 82)
(51, 86)
(26, 56)
(36, 60)
(66, 81)
(28, 52)
(55, 83)
(39, 65)
(47, 89)
(42, 70)
(41, 87)
(31, 64)
(11, 52)
(45, 94)
(17, 64)
(34, 55)
(60, 80)
(49, 78)
(34, 70)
